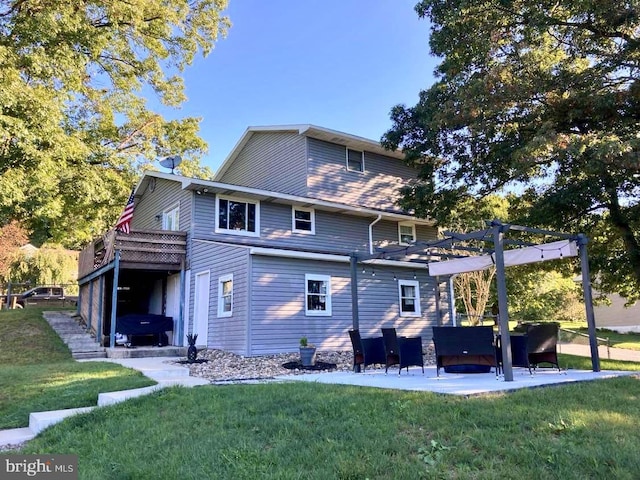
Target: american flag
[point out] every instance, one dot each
(124, 222)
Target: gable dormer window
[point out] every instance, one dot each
(237, 216)
(355, 161)
(303, 220)
(406, 233)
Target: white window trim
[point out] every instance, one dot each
(413, 231)
(416, 285)
(169, 212)
(346, 151)
(232, 231)
(317, 313)
(313, 220)
(221, 280)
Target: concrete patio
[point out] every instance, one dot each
(456, 384)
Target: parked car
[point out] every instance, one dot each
(43, 296)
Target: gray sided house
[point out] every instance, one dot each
(263, 254)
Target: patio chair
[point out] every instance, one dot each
(542, 340)
(366, 351)
(402, 351)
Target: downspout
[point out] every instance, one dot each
(371, 233)
(452, 299)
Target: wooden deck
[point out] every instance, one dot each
(140, 249)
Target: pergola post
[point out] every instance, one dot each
(505, 339)
(437, 301)
(588, 301)
(355, 314)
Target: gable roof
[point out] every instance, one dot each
(211, 186)
(333, 136)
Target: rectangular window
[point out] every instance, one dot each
(355, 160)
(170, 218)
(317, 293)
(303, 220)
(406, 233)
(225, 296)
(409, 292)
(237, 216)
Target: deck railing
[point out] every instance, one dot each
(151, 248)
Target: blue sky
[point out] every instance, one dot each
(339, 64)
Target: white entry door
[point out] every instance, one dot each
(173, 304)
(201, 307)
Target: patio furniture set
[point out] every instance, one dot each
(474, 349)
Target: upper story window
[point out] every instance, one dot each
(304, 220)
(237, 216)
(406, 233)
(409, 292)
(355, 160)
(317, 292)
(225, 296)
(171, 218)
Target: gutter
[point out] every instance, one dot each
(371, 233)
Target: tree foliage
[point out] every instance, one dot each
(543, 98)
(12, 237)
(75, 128)
(49, 265)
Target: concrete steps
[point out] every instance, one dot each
(79, 339)
(144, 352)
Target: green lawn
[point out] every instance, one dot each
(629, 341)
(316, 431)
(37, 372)
(313, 431)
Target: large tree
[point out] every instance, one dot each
(541, 97)
(75, 128)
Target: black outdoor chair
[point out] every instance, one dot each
(366, 351)
(537, 345)
(402, 351)
(542, 341)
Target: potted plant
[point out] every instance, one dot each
(307, 353)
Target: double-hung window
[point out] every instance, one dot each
(317, 292)
(406, 233)
(409, 292)
(171, 218)
(355, 160)
(225, 295)
(304, 220)
(237, 216)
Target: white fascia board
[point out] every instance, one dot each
(277, 252)
(189, 183)
(328, 257)
(349, 140)
(194, 183)
(152, 173)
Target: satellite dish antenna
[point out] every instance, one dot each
(171, 162)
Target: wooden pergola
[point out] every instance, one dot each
(491, 252)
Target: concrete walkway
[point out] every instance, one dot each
(604, 352)
(157, 368)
